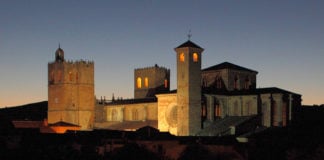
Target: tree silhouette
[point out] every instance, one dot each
(133, 151)
(195, 151)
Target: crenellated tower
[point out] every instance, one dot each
(188, 88)
(71, 91)
(150, 81)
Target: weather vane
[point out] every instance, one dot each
(189, 34)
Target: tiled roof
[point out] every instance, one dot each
(249, 91)
(189, 44)
(273, 90)
(227, 65)
(64, 124)
(133, 101)
(130, 125)
(222, 126)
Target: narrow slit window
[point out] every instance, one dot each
(165, 83)
(146, 82)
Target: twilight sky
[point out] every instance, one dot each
(282, 40)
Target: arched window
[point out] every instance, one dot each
(236, 109)
(165, 83)
(284, 114)
(195, 57)
(247, 82)
(275, 114)
(135, 114)
(146, 82)
(217, 110)
(236, 81)
(204, 111)
(248, 108)
(266, 114)
(114, 115)
(182, 57)
(139, 82)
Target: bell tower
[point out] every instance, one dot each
(188, 88)
(71, 91)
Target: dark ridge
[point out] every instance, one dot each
(33, 111)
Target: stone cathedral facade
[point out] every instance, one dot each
(215, 101)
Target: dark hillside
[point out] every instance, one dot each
(34, 111)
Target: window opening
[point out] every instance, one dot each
(182, 57)
(146, 82)
(139, 82)
(195, 57)
(165, 83)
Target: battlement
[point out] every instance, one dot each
(149, 81)
(81, 62)
(153, 67)
(87, 62)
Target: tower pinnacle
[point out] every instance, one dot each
(59, 54)
(189, 35)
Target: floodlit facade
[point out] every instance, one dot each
(215, 101)
(71, 92)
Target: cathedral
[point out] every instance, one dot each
(214, 101)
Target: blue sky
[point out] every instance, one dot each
(282, 40)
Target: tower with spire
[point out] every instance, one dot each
(71, 91)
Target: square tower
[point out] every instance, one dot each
(150, 81)
(71, 92)
(188, 88)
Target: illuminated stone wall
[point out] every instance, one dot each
(188, 89)
(275, 109)
(167, 113)
(71, 93)
(228, 77)
(128, 112)
(150, 81)
(242, 105)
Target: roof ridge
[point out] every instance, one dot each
(227, 65)
(189, 44)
